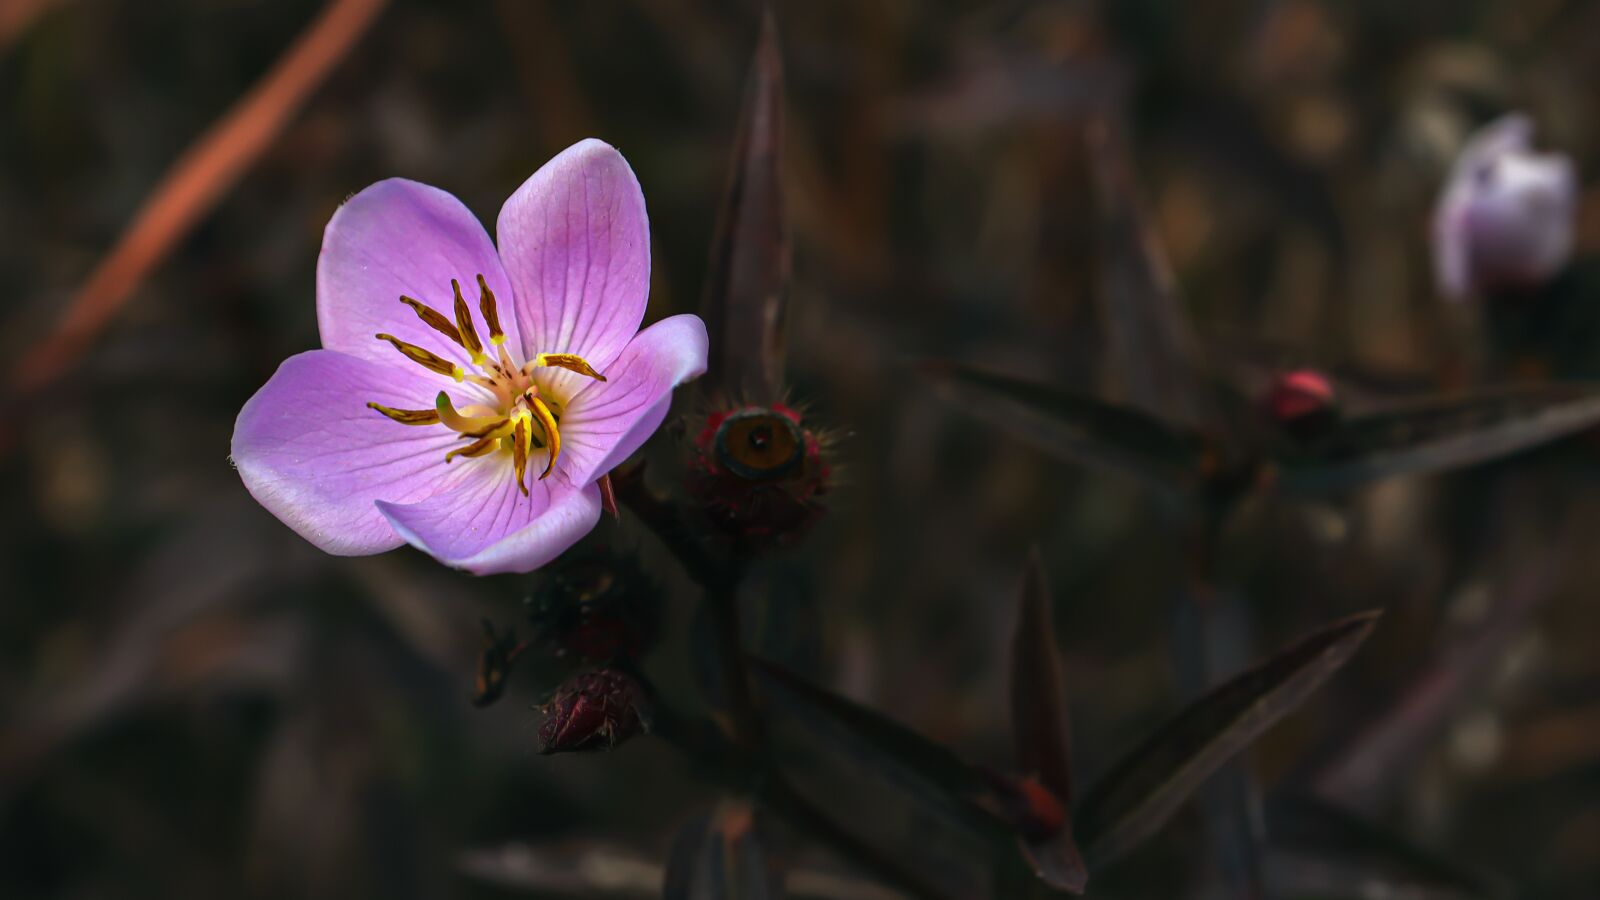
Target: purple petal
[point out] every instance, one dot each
(397, 238)
(609, 420)
(486, 526)
(576, 243)
(312, 453)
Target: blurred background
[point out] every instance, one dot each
(196, 703)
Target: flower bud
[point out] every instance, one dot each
(1302, 402)
(592, 711)
(595, 607)
(758, 472)
(1505, 220)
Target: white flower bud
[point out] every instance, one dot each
(1505, 219)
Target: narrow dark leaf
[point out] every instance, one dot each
(1439, 434)
(924, 768)
(1039, 729)
(1318, 849)
(1077, 429)
(749, 268)
(1142, 791)
(1153, 347)
(722, 856)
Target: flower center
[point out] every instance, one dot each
(514, 417)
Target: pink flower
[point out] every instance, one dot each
(1506, 217)
(478, 440)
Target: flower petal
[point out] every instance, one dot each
(608, 421)
(576, 243)
(401, 238)
(312, 453)
(486, 526)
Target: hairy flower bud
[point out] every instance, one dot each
(592, 711)
(596, 607)
(758, 473)
(1301, 401)
(1505, 220)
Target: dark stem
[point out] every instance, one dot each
(720, 579)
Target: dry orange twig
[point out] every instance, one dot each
(195, 183)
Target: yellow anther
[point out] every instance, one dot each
(408, 416)
(491, 312)
(572, 362)
(432, 318)
(551, 432)
(423, 358)
(469, 332)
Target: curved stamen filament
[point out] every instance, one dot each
(572, 362)
(491, 312)
(423, 358)
(548, 420)
(469, 332)
(467, 425)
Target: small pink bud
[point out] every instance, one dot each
(1505, 220)
(758, 473)
(1301, 400)
(592, 711)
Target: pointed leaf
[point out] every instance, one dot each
(1140, 793)
(1039, 729)
(1439, 434)
(921, 766)
(1153, 347)
(722, 855)
(749, 268)
(1077, 429)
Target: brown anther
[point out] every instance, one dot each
(408, 416)
(423, 358)
(572, 362)
(491, 312)
(432, 318)
(551, 432)
(469, 332)
(477, 448)
(519, 453)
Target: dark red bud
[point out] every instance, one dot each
(1302, 400)
(592, 711)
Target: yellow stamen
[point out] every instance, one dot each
(491, 312)
(467, 425)
(551, 432)
(425, 359)
(519, 452)
(572, 362)
(408, 416)
(432, 318)
(469, 332)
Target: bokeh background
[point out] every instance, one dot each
(196, 703)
